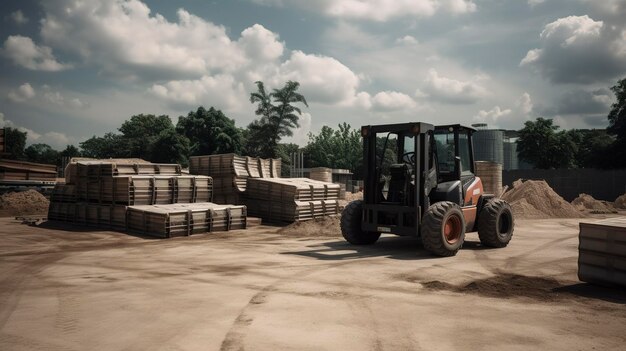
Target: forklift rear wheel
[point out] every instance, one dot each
(351, 225)
(443, 229)
(495, 224)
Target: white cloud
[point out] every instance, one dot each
(261, 44)
(322, 78)
(19, 18)
(392, 101)
(531, 56)
(492, 116)
(578, 49)
(452, 91)
(221, 90)
(525, 104)
(572, 30)
(377, 10)
(55, 97)
(23, 93)
(407, 40)
(56, 140)
(125, 36)
(533, 3)
(24, 52)
(301, 134)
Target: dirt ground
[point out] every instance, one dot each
(63, 288)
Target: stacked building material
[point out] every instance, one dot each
(602, 252)
(109, 194)
(291, 199)
(230, 173)
(168, 221)
(11, 170)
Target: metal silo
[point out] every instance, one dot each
(510, 155)
(488, 144)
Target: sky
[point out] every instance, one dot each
(72, 69)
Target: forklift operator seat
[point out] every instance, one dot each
(397, 192)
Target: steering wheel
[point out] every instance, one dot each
(410, 157)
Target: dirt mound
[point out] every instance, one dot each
(318, 227)
(522, 209)
(536, 199)
(586, 202)
(506, 286)
(620, 202)
(23, 203)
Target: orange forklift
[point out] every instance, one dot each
(420, 181)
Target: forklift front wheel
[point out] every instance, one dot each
(351, 225)
(443, 229)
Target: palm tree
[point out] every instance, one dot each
(276, 121)
(285, 119)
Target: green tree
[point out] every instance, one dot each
(42, 153)
(256, 137)
(141, 131)
(278, 116)
(110, 145)
(14, 143)
(284, 152)
(617, 115)
(541, 144)
(70, 151)
(210, 132)
(592, 147)
(171, 147)
(617, 126)
(340, 148)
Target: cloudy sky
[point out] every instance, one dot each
(72, 69)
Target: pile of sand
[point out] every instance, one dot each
(21, 203)
(318, 227)
(536, 199)
(586, 202)
(620, 202)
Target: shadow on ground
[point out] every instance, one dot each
(399, 248)
(605, 293)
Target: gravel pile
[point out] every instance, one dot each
(585, 202)
(536, 199)
(318, 227)
(21, 203)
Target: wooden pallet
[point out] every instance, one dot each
(294, 211)
(234, 165)
(94, 215)
(145, 189)
(64, 193)
(290, 189)
(166, 221)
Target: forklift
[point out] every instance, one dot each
(420, 181)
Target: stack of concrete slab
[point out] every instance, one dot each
(602, 252)
(104, 194)
(12, 170)
(230, 173)
(291, 199)
(168, 221)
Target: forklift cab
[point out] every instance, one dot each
(419, 181)
(410, 166)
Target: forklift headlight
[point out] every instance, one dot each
(415, 129)
(364, 131)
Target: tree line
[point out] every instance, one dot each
(210, 131)
(543, 145)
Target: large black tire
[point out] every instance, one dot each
(496, 224)
(351, 225)
(443, 229)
